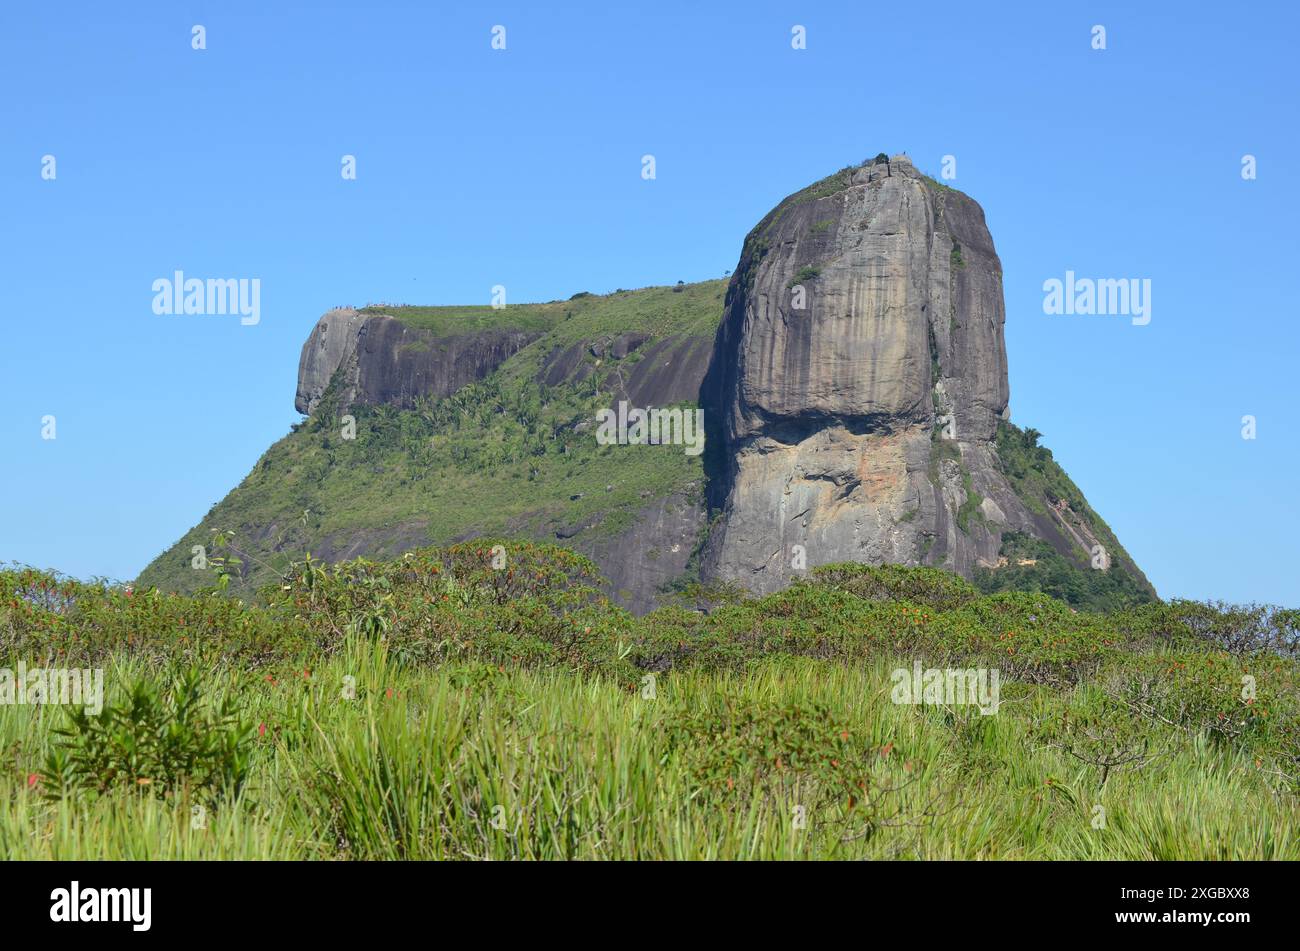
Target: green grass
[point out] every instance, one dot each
(691, 309)
(436, 707)
(573, 767)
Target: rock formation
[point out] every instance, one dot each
(386, 361)
(856, 385)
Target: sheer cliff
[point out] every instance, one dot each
(857, 386)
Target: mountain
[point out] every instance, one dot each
(852, 378)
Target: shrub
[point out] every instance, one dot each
(166, 743)
(932, 587)
(1099, 731)
(1240, 630)
(1206, 695)
(806, 273)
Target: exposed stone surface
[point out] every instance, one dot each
(652, 552)
(670, 368)
(332, 341)
(385, 361)
(828, 411)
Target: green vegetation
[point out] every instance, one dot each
(939, 186)
(1033, 565)
(955, 256)
(936, 371)
(447, 321)
(941, 450)
(1041, 484)
(439, 707)
(694, 309)
(168, 744)
(970, 506)
(806, 273)
(1033, 470)
(505, 455)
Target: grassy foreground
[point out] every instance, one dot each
(441, 707)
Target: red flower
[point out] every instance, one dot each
(261, 729)
(32, 780)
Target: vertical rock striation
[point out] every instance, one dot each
(856, 384)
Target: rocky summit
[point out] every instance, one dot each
(854, 386)
(863, 327)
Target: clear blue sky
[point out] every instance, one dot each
(522, 168)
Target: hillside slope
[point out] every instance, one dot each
(510, 454)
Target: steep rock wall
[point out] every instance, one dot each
(385, 361)
(856, 385)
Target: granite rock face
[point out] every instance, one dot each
(385, 361)
(856, 385)
(653, 552)
(671, 368)
(332, 341)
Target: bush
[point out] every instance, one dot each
(806, 273)
(932, 587)
(166, 743)
(1206, 695)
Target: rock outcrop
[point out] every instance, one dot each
(654, 552)
(386, 361)
(856, 385)
(854, 396)
(670, 370)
